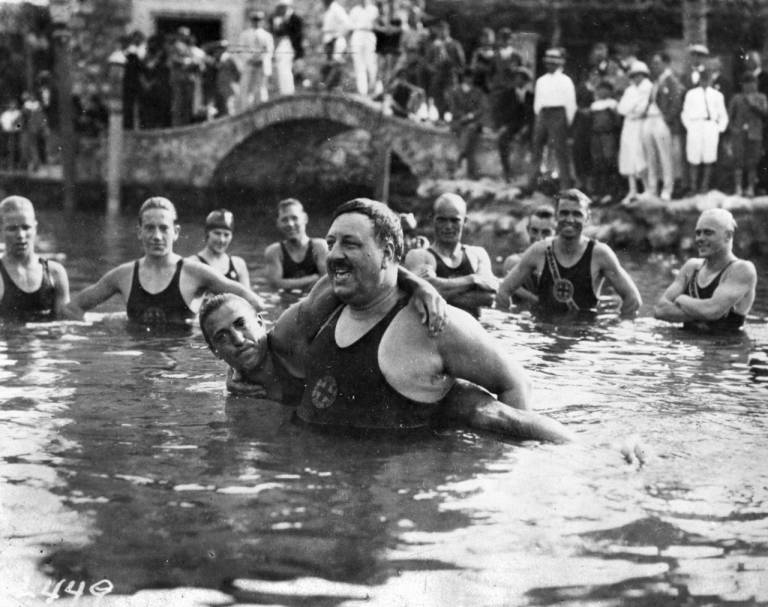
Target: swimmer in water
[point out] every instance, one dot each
(297, 261)
(571, 267)
(31, 288)
(219, 226)
(715, 291)
(541, 225)
(158, 288)
(371, 365)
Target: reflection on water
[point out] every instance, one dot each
(123, 459)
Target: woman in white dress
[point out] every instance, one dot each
(633, 106)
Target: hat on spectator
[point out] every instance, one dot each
(220, 219)
(638, 67)
(698, 49)
(523, 71)
(554, 55)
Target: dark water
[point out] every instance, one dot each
(123, 459)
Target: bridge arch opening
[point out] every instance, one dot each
(322, 161)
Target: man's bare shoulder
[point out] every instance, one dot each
(272, 251)
(744, 269)
(418, 257)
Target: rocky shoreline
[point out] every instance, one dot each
(496, 218)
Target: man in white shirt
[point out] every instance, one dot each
(288, 31)
(362, 42)
(335, 26)
(554, 104)
(704, 117)
(255, 50)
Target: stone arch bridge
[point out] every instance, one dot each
(274, 142)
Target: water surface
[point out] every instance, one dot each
(123, 459)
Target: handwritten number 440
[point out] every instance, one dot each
(53, 591)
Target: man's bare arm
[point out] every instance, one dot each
(665, 308)
(479, 409)
(212, 281)
(514, 280)
(60, 286)
(90, 297)
(619, 279)
(735, 284)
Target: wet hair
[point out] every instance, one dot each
(158, 202)
(722, 216)
(16, 203)
(220, 219)
(288, 202)
(450, 197)
(386, 223)
(209, 306)
(574, 195)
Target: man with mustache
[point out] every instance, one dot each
(31, 288)
(461, 273)
(371, 365)
(571, 267)
(714, 292)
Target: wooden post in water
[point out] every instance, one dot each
(115, 131)
(60, 16)
(383, 165)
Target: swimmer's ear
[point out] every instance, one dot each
(389, 253)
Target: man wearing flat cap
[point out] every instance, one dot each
(255, 48)
(554, 104)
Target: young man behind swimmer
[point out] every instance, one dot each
(159, 287)
(402, 378)
(31, 288)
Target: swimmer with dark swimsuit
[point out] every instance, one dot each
(571, 266)
(31, 288)
(403, 380)
(158, 288)
(714, 292)
(298, 261)
(219, 227)
(461, 273)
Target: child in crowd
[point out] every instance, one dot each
(603, 145)
(747, 112)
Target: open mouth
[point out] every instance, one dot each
(339, 271)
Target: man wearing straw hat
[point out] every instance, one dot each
(554, 103)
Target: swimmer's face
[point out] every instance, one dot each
(238, 335)
(357, 262)
(218, 239)
(19, 232)
(157, 232)
(292, 222)
(449, 221)
(571, 217)
(540, 228)
(712, 237)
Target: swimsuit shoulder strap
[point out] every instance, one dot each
(202, 259)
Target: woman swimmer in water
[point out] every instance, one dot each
(219, 226)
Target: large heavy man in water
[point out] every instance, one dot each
(31, 288)
(461, 273)
(372, 365)
(571, 266)
(715, 291)
(159, 288)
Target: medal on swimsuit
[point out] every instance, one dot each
(324, 392)
(563, 290)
